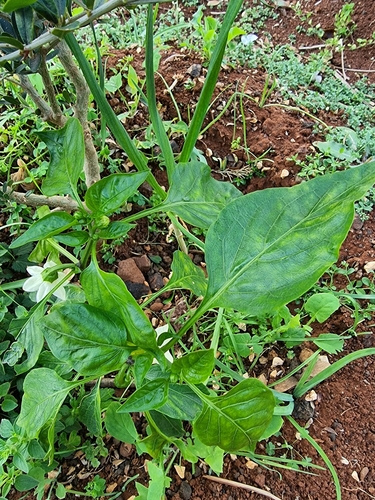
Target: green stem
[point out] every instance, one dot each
(216, 334)
(198, 243)
(62, 250)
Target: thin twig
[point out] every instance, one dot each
(37, 200)
(313, 47)
(243, 486)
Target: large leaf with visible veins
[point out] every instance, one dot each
(269, 247)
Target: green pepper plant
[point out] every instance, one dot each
(262, 250)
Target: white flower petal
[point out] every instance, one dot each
(60, 293)
(44, 288)
(49, 263)
(34, 270)
(32, 284)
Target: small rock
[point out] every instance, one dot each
(260, 479)
(320, 365)
(156, 282)
(138, 290)
(289, 383)
(195, 70)
(305, 354)
(357, 223)
(129, 271)
(157, 306)
(277, 362)
(143, 263)
(284, 173)
(185, 491)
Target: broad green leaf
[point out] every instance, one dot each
(89, 411)
(24, 20)
(269, 247)
(120, 425)
(329, 342)
(185, 274)
(108, 292)
(30, 337)
(67, 152)
(115, 229)
(236, 420)
(90, 340)
(320, 306)
(47, 226)
(73, 238)
(44, 393)
(12, 5)
(148, 397)
(195, 196)
(170, 427)
(195, 367)
(182, 403)
(109, 194)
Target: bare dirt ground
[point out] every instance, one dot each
(343, 420)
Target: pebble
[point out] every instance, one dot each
(185, 490)
(129, 271)
(143, 263)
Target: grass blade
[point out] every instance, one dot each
(210, 82)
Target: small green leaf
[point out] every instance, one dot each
(4, 388)
(67, 150)
(44, 393)
(73, 238)
(24, 482)
(24, 20)
(9, 403)
(47, 226)
(115, 229)
(120, 425)
(195, 196)
(329, 342)
(320, 306)
(89, 411)
(195, 367)
(185, 274)
(110, 193)
(91, 340)
(241, 343)
(150, 396)
(12, 5)
(236, 420)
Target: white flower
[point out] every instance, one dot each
(37, 284)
